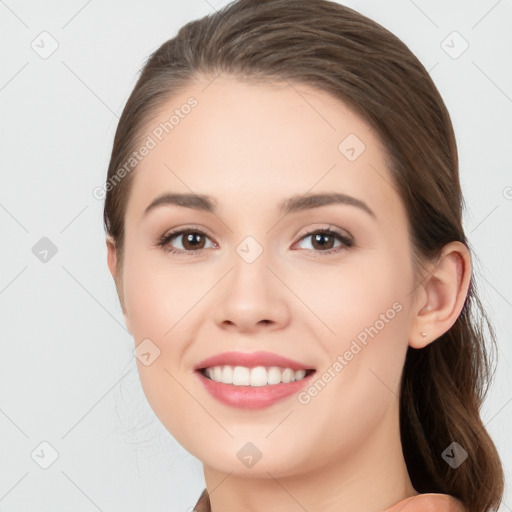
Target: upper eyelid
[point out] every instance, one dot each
(180, 231)
(176, 232)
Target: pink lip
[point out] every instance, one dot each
(252, 397)
(250, 360)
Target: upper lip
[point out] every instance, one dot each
(250, 360)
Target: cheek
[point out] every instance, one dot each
(159, 297)
(360, 380)
(358, 294)
(365, 307)
(160, 302)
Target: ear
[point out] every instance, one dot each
(441, 295)
(111, 256)
(112, 265)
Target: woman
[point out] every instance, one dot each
(283, 218)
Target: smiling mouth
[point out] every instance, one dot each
(256, 376)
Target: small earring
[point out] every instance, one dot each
(424, 334)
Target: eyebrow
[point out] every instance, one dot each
(293, 204)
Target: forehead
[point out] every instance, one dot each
(267, 141)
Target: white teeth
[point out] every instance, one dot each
(241, 375)
(274, 375)
(300, 374)
(288, 375)
(257, 376)
(227, 375)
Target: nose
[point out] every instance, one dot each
(252, 297)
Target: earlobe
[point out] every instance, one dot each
(442, 295)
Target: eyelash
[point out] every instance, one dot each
(165, 239)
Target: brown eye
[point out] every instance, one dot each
(323, 240)
(192, 241)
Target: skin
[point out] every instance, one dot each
(250, 146)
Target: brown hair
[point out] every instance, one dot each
(335, 49)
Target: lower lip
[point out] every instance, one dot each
(252, 397)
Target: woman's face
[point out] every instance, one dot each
(250, 277)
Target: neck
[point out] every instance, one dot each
(371, 478)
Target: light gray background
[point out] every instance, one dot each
(68, 375)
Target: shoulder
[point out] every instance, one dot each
(429, 502)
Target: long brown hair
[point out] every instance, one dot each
(334, 48)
